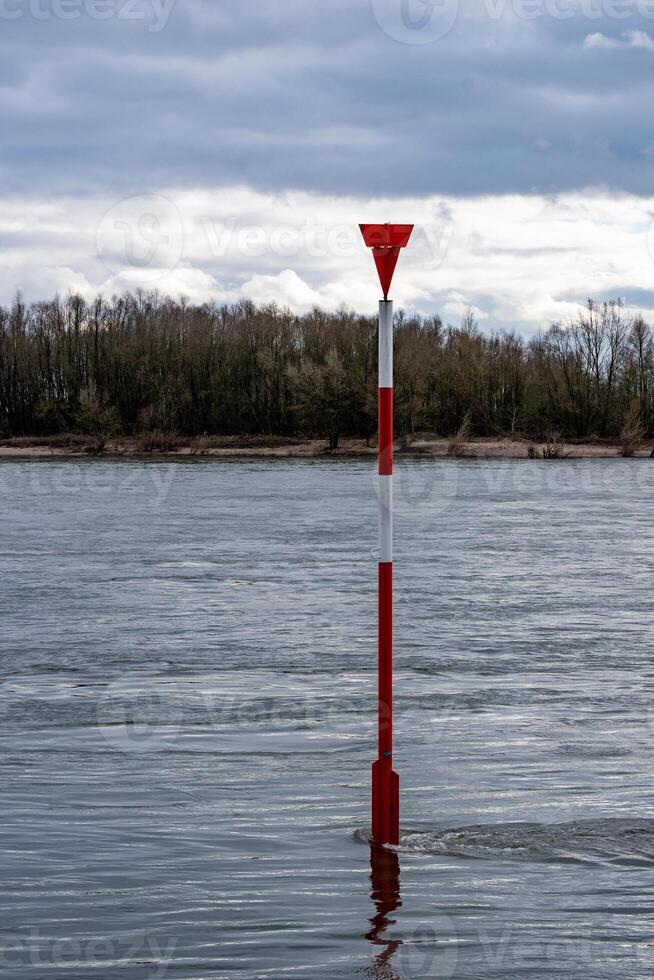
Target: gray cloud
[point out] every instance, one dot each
(518, 139)
(284, 94)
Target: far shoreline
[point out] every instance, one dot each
(76, 448)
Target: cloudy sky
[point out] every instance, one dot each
(223, 148)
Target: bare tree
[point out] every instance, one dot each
(632, 430)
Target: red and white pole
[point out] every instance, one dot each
(386, 242)
(385, 782)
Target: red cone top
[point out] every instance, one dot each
(386, 242)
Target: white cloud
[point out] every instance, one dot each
(598, 40)
(457, 305)
(195, 284)
(639, 39)
(517, 260)
(629, 39)
(286, 289)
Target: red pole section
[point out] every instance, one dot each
(385, 782)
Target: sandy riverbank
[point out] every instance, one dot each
(260, 448)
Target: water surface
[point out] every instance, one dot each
(187, 705)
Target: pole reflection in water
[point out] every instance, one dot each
(385, 894)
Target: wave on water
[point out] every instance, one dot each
(610, 841)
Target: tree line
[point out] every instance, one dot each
(144, 363)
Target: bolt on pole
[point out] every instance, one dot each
(386, 242)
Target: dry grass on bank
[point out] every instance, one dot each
(422, 445)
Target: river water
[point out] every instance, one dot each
(187, 703)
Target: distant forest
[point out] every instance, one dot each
(143, 363)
